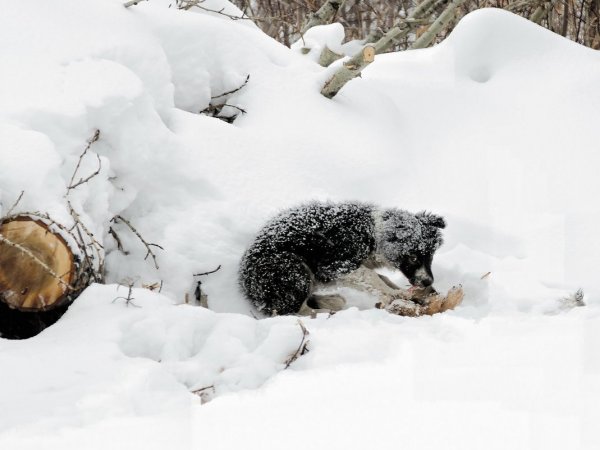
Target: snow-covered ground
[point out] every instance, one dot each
(495, 129)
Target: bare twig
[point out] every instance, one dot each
(72, 183)
(115, 236)
(199, 391)
(147, 244)
(207, 273)
(81, 229)
(129, 299)
(233, 90)
(15, 204)
(302, 348)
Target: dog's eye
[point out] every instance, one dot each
(412, 259)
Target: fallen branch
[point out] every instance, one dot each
(213, 110)
(328, 56)
(353, 67)
(350, 69)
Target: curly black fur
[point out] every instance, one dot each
(321, 241)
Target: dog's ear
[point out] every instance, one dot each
(427, 218)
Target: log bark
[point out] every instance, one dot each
(37, 267)
(328, 57)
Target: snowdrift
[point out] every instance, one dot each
(494, 129)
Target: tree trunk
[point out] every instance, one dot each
(38, 270)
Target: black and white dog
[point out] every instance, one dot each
(322, 242)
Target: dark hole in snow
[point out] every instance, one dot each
(481, 74)
(15, 324)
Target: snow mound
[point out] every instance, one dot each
(490, 42)
(136, 358)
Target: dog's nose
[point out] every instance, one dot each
(426, 282)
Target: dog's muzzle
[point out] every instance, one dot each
(422, 278)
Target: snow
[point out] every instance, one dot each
(494, 129)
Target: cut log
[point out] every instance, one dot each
(37, 267)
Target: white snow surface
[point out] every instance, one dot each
(494, 128)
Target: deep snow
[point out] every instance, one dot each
(494, 128)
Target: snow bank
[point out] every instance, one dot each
(109, 359)
(494, 129)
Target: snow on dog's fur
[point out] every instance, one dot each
(321, 242)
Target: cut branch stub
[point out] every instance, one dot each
(349, 70)
(37, 267)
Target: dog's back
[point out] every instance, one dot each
(316, 241)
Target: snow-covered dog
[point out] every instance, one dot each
(324, 242)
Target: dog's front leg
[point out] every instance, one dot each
(367, 280)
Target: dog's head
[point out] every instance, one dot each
(408, 241)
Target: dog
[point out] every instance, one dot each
(322, 242)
